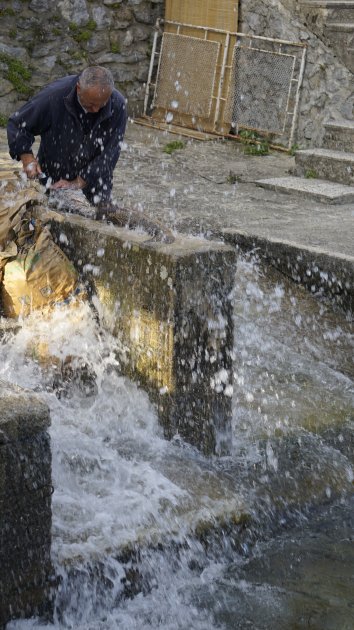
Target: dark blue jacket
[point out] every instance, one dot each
(66, 151)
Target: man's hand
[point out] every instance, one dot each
(30, 165)
(75, 184)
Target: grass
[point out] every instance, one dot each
(3, 120)
(255, 144)
(311, 174)
(175, 145)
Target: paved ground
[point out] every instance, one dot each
(208, 188)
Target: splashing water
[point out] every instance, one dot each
(133, 515)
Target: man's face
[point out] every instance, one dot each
(92, 99)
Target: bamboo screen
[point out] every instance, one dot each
(222, 14)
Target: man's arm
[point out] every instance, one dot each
(29, 121)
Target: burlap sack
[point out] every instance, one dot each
(40, 277)
(14, 203)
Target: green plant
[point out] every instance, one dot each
(17, 73)
(81, 35)
(260, 148)
(56, 31)
(293, 149)
(13, 33)
(3, 120)
(115, 48)
(175, 145)
(232, 178)
(79, 55)
(311, 174)
(247, 134)
(255, 143)
(8, 11)
(91, 25)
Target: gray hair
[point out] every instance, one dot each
(96, 76)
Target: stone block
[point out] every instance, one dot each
(311, 188)
(25, 504)
(335, 166)
(170, 306)
(339, 136)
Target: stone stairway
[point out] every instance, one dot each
(333, 22)
(325, 174)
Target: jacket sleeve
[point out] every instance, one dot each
(98, 174)
(31, 120)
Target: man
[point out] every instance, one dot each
(81, 121)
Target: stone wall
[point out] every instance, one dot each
(41, 40)
(25, 504)
(328, 89)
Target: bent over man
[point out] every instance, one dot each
(81, 121)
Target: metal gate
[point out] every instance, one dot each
(221, 82)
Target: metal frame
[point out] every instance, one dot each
(299, 54)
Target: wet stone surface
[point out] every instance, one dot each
(208, 186)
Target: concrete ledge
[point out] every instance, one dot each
(170, 306)
(320, 271)
(22, 414)
(25, 504)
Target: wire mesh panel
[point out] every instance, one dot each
(260, 89)
(186, 74)
(215, 81)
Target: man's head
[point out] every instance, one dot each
(94, 87)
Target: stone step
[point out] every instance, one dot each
(341, 27)
(321, 14)
(316, 189)
(333, 22)
(332, 10)
(339, 135)
(340, 36)
(335, 166)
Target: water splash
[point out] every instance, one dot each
(121, 490)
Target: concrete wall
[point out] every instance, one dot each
(25, 504)
(170, 306)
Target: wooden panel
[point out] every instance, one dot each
(221, 14)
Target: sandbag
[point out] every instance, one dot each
(40, 277)
(14, 203)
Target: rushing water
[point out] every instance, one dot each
(120, 486)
